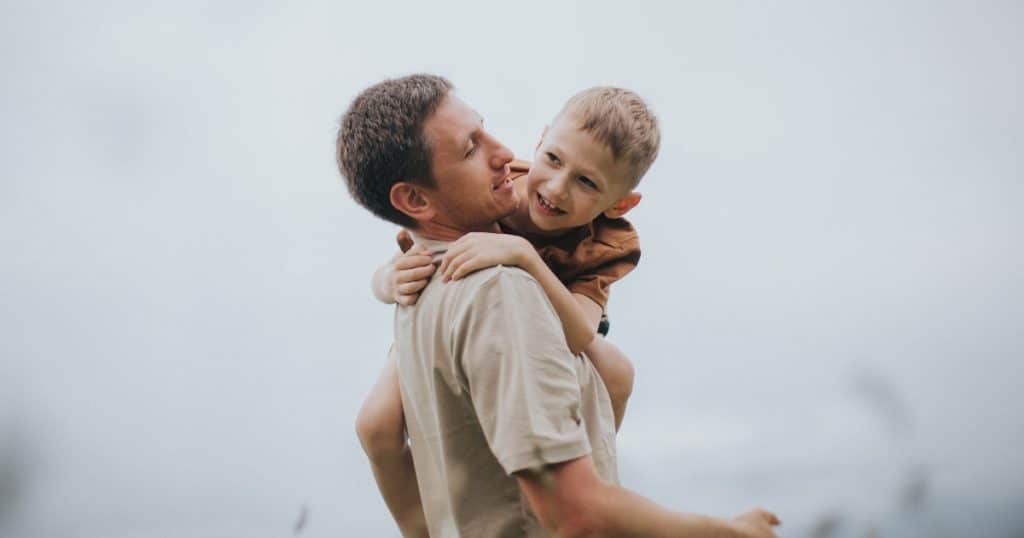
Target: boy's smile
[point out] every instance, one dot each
(547, 208)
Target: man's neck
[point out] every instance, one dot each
(444, 232)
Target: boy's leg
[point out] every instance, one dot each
(381, 429)
(616, 371)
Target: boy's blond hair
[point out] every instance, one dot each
(621, 120)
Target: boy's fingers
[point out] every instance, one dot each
(408, 262)
(464, 269)
(454, 265)
(452, 253)
(410, 288)
(416, 273)
(421, 272)
(445, 260)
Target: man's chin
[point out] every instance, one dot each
(506, 207)
(509, 212)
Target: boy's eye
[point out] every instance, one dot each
(586, 181)
(471, 150)
(553, 158)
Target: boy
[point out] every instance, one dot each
(568, 233)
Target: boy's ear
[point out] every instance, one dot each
(623, 206)
(542, 133)
(411, 199)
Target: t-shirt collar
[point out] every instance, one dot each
(434, 246)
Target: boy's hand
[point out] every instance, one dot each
(480, 250)
(757, 523)
(409, 275)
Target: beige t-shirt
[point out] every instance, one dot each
(490, 388)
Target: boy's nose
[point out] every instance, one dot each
(557, 188)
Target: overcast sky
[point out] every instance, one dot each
(828, 312)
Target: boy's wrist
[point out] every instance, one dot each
(528, 257)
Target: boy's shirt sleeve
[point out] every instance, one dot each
(610, 253)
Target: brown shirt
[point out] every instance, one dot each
(489, 387)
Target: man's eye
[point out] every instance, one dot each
(586, 181)
(471, 150)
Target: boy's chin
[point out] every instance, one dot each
(554, 224)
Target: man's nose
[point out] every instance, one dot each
(501, 156)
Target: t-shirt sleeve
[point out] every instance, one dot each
(613, 254)
(521, 376)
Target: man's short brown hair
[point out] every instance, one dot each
(381, 141)
(621, 120)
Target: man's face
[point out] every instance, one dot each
(470, 168)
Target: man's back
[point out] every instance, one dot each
(490, 388)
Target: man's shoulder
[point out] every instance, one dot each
(499, 275)
(487, 287)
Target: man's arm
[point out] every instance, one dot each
(525, 390)
(571, 500)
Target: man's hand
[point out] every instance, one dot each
(757, 523)
(410, 273)
(480, 250)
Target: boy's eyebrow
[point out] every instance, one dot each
(583, 172)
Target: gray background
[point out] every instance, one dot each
(826, 321)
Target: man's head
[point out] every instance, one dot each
(591, 158)
(416, 155)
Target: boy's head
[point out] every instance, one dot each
(591, 158)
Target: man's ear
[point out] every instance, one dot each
(623, 206)
(411, 199)
(542, 133)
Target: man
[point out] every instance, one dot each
(510, 433)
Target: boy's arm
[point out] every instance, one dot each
(401, 278)
(578, 313)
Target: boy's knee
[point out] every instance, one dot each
(380, 434)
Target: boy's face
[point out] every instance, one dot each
(574, 178)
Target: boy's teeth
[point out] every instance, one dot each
(545, 203)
